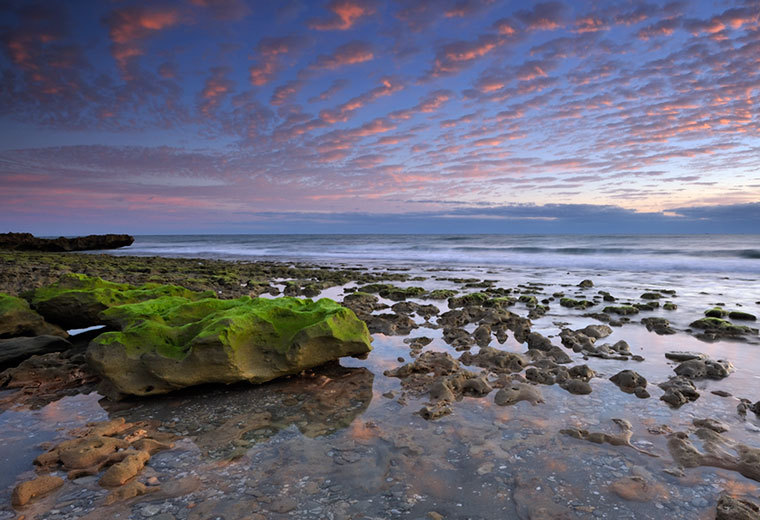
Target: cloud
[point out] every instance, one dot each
(335, 87)
(216, 88)
(452, 58)
(345, 13)
(270, 52)
(349, 53)
(225, 9)
(129, 27)
(342, 112)
(428, 104)
(545, 16)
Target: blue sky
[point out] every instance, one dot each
(362, 115)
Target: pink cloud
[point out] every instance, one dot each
(216, 88)
(225, 9)
(270, 52)
(341, 113)
(545, 16)
(128, 27)
(345, 13)
(349, 53)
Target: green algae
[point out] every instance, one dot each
(623, 310)
(10, 303)
(720, 325)
(442, 294)
(76, 300)
(575, 304)
(171, 326)
(716, 312)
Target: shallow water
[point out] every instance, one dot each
(334, 446)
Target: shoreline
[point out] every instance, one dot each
(497, 414)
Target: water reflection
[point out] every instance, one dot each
(224, 422)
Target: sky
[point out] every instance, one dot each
(360, 116)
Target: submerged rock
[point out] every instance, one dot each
(18, 319)
(173, 342)
(731, 508)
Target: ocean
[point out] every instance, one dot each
(633, 253)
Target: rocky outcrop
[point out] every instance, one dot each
(17, 319)
(76, 300)
(28, 242)
(173, 342)
(14, 350)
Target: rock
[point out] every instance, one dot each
(651, 296)
(730, 508)
(670, 306)
(660, 326)
(518, 392)
(363, 304)
(173, 342)
(635, 488)
(704, 368)
(597, 331)
(121, 472)
(739, 315)
(15, 350)
(629, 381)
(716, 328)
(680, 355)
(585, 284)
(621, 439)
(390, 324)
(393, 292)
(716, 312)
(76, 300)
(719, 452)
(582, 372)
(538, 342)
(441, 294)
(678, 391)
(495, 360)
(482, 335)
(18, 319)
(576, 386)
(623, 310)
(130, 490)
(575, 304)
(28, 242)
(82, 453)
(711, 424)
(25, 492)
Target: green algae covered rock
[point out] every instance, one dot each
(173, 342)
(17, 319)
(721, 327)
(76, 300)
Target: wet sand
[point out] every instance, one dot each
(347, 441)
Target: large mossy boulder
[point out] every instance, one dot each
(169, 343)
(17, 319)
(77, 300)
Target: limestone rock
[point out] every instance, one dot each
(26, 491)
(17, 319)
(173, 342)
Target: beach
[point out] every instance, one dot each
(487, 393)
